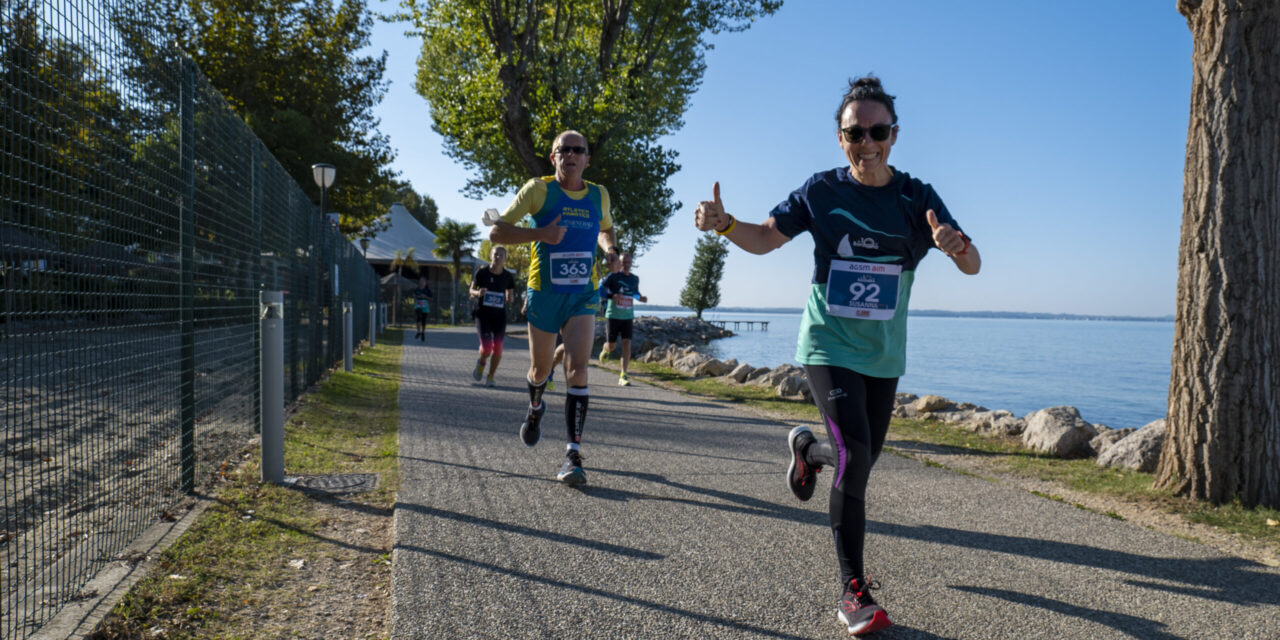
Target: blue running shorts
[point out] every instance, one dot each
(549, 311)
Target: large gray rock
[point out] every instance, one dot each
(689, 363)
(775, 376)
(1000, 423)
(1138, 451)
(741, 372)
(711, 367)
(1106, 437)
(931, 403)
(793, 385)
(1058, 431)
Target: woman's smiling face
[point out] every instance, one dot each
(868, 158)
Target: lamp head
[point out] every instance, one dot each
(324, 174)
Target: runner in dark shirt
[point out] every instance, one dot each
(491, 288)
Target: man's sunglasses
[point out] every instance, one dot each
(879, 132)
(564, 151)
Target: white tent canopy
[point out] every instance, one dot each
(402, 232)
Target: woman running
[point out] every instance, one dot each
(871, 225)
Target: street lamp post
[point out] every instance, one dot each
(364, 246)
(324, 175)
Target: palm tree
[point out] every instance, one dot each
(403, 258)
(454, 240)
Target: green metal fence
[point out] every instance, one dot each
(139, 220)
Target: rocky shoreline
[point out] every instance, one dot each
(1056, 431)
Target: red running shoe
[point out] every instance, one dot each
(859, 611)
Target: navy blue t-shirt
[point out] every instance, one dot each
(878, 235)
(852, 220)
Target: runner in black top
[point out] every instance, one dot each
(491, 288)
(871, 225)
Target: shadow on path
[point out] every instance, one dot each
(1129, 625)
(1225, 579)
(655, 606)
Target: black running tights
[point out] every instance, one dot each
(856, 410)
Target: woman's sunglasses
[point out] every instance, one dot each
(879, 132)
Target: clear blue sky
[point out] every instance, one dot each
(1054, 131)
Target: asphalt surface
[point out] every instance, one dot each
(686, 529)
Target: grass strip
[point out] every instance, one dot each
(1007, 455)
(235, 558)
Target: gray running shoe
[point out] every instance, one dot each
(571, 472)
(478, 372)
(530, 433)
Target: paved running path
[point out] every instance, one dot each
(687, 530)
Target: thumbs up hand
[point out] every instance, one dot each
(553, 233)
(945, 237)
(710, 214)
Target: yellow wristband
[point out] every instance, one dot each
(732, 224)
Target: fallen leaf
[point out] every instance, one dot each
(297, 564)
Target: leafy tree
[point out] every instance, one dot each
(421, 206)
(702, 288)
(402, 258)
(1222, 438)
(504, 78)
(290, 69)
(455, 240)
(66, 131)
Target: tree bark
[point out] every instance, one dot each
(1223, 432)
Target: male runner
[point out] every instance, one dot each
(571, 218)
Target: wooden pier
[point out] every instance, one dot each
(751, 324)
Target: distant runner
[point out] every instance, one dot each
(623, 289)
(421, 305)
(492, 288)
(605, 349)
(571, 218)
(871, 225)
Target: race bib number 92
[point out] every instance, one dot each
(863, 290)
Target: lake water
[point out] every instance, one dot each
(1115, 372)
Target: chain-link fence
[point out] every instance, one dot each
(140, 220)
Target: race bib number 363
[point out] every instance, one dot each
(495, 299)
(571, 267)
(863, 290)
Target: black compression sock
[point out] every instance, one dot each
(535, 392)
(575, 412)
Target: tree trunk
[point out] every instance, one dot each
(1223, 433)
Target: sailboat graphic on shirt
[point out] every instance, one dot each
(845, 250)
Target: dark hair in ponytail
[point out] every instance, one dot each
(866, 88)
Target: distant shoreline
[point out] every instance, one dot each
(928, 313)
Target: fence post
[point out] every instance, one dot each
(256, 277)
(271, 387)
(346, 337)
(187, 287)
(373, 324)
